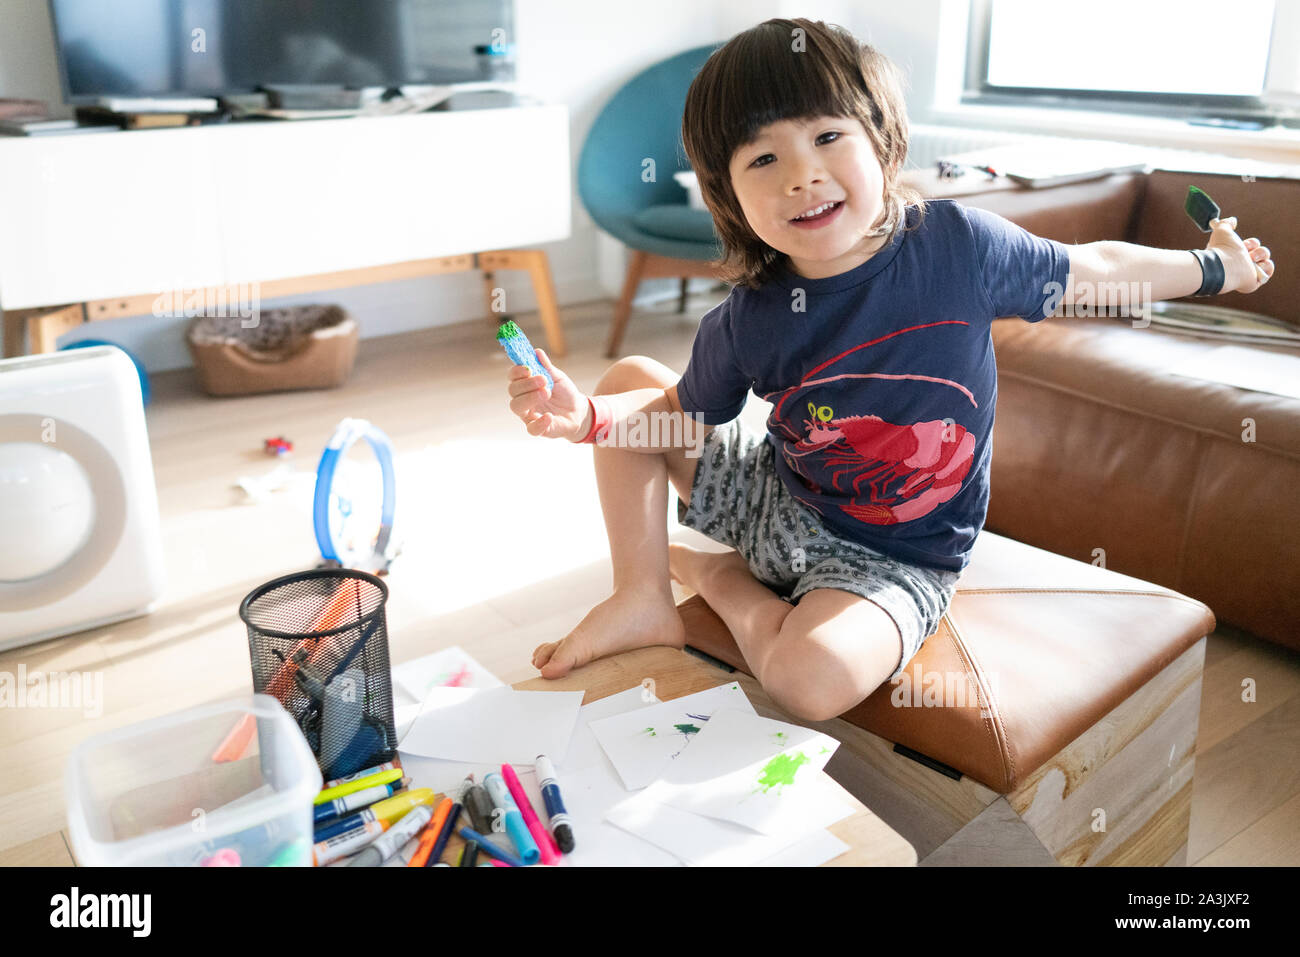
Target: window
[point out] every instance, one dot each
(1167, 57)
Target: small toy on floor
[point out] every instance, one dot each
(521, 351)
(277, 446)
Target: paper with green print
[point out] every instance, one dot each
(749, 770)
(642, 743)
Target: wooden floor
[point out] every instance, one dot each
(504, 549)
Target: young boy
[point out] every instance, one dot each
(863, 315)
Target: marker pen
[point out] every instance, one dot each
(429, 836)
(344, 788)
(387, 810)
(490, 849)
(385, 846)
(445, 831)
(362, 774)
(347, 843)
(479, 805)
(469, 854)
(561, 827)
(339, 806)
(541, 837)
(515, 826)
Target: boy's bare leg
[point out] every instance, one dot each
(633, 497)
(817, 659)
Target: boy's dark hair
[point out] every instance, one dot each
(765, 75)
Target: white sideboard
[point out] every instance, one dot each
(122, 215)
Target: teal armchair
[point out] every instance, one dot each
(641, 204)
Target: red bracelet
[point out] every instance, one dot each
(601, 416)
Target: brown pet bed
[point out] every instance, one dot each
(301, 347)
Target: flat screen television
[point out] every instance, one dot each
(160, 48)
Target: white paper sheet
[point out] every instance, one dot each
(588, 783)
(584, 749)
(642, 743)
(590, 786)
(588, 796)
(748, 770)
(449, 668)
(707, 842)
(494, 725)
(1253, 369)
(813, 851)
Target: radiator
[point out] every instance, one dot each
(927, 142)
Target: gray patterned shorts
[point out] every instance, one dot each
(738, 499)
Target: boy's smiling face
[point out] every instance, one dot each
(795, 166)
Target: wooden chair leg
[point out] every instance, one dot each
(681, 300)
(539, 269)
(15, 332)
(489, 285)
(635, 267)
(44, 328)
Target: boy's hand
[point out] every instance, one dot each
(1240, 258)
(560, 414)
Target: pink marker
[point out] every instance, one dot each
(545, 843)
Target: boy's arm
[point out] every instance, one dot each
(647, 420)
(1119, 274)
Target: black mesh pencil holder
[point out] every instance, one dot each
(318, 643)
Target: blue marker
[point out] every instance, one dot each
(515, 826)
(340, 806)
(521, 351)
(490, 849)
(561, 829)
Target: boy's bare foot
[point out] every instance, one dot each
(623, 621)
(696, 568)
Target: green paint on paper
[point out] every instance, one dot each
(649, 731)
(781, 769)
(687, 728)
(824, 751)
(780, 738)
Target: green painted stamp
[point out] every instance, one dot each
(780, 771)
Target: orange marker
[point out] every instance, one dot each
(429, 836)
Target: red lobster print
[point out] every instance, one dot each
(907, 470)
(902, 471)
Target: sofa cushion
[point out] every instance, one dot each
(1034, 650)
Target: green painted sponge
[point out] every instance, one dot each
(521, 351)
(1201, 208)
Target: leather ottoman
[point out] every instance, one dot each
(1051, 718)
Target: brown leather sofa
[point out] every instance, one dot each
(1101, 454)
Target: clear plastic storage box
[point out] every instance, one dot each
(229, 784)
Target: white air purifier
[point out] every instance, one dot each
(79, 533)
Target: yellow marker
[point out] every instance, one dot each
(359, 784)
(393, 808)
(386, 812)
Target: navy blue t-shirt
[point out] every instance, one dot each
(882, 378)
